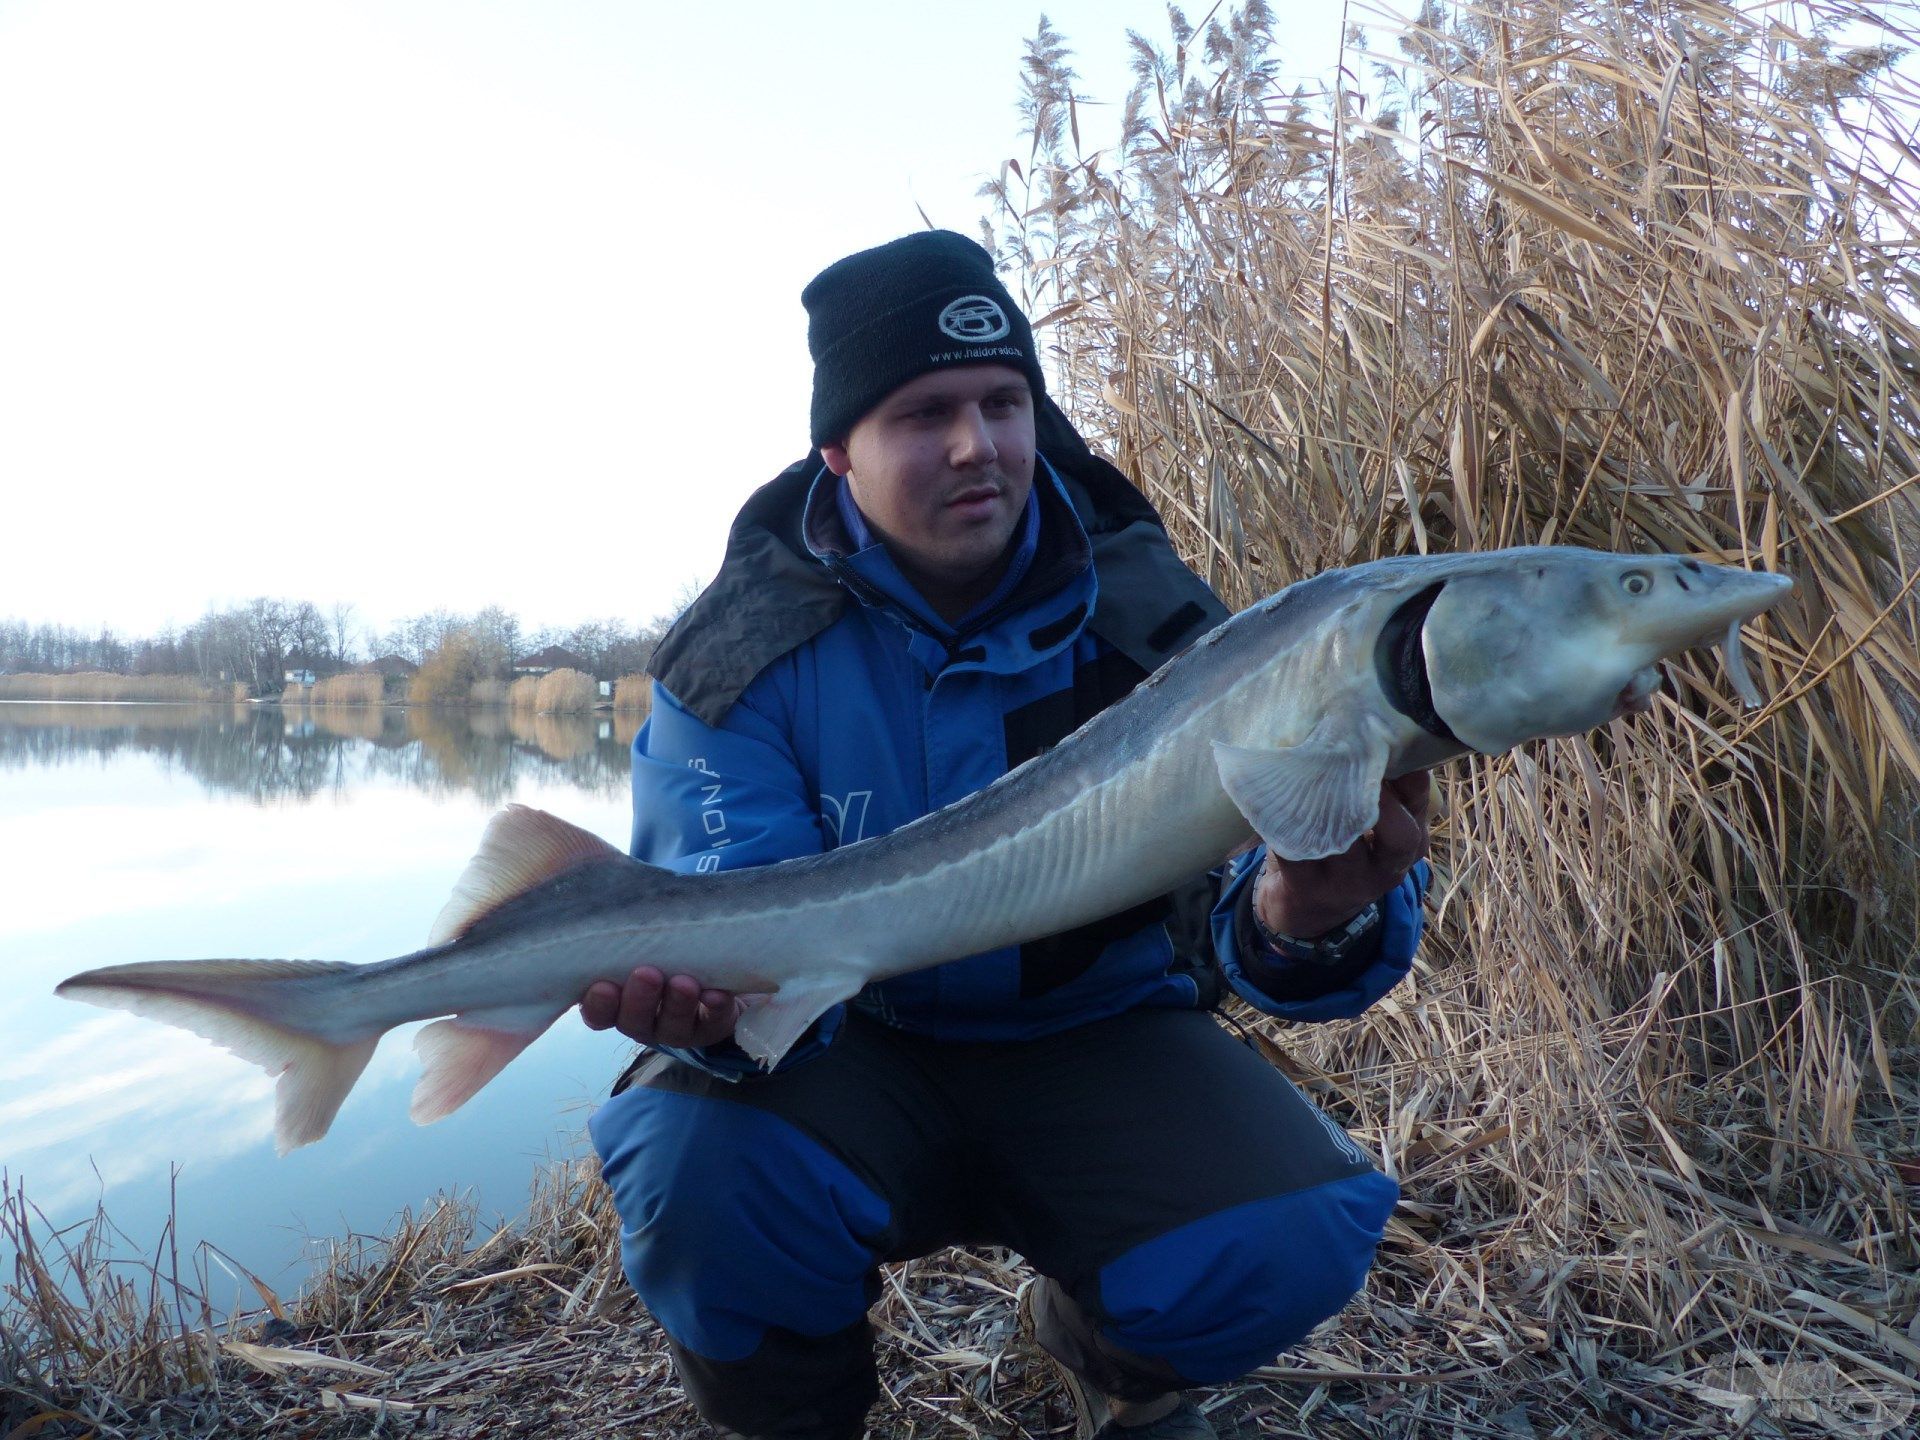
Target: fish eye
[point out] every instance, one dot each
(1636, 582)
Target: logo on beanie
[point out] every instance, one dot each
(975, 318)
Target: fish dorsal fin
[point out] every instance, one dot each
(1313, 799)
(522, 848)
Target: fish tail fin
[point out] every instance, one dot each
(266, 1011)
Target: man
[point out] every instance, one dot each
(949, 584)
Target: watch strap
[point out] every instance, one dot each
(1332, 948)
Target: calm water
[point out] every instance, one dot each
(147, 832)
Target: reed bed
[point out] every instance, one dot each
(103, 685)
(355, 687)
(633, 695)
(565, 692)
(1622, 276)
(464, 658)
(296, 694)
(488, 692)
(524, 693)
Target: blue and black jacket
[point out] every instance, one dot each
(810, 698)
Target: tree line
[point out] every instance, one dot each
(258, 642)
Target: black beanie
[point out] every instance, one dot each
(880, 318)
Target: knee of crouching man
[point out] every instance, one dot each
(1227, 1293)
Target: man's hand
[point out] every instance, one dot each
(656, 1010)
(1307, 898)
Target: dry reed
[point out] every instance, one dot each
(356, 687)
(1608, 275)
(633, 695)
(488, 692)
(465, 657)
(524, 693)
(566, 692)
(101, 685)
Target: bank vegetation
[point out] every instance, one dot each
(1633, 277)
(100, 685)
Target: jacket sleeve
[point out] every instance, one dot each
(1314, 992)
(709, 798)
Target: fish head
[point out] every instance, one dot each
(1554, 640)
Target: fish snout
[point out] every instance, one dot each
(1685, 601)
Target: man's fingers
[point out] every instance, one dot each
(1398, 841)
(719, 1014)
(639, 1002)
(600, 1006)
(679, 1011)
(1414, 791)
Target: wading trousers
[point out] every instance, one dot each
(1196, 1213)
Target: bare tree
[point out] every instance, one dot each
(340, 619)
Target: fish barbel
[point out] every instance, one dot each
(1280, 723)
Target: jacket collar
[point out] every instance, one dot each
(773, 593)
(1052, 549)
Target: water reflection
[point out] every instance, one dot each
(149, 832)
(301, 752)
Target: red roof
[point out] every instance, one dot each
(553, 657)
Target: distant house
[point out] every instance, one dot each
(299, 677)
(393, 667)
(545, 662)
(396, 672)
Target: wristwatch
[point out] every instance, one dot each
(1332, 948)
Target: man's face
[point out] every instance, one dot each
(941, 469)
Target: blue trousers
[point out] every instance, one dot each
(1193, 1213)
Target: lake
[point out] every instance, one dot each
(151, 832)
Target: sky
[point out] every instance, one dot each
(452, 303)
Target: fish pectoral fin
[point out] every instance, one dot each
(1313, 799)
(770, 1026)
(465, 1051)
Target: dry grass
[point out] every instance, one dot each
(524, 693)
(352, 688)
(438, 1328)
(465, 658)
(564, 692)
(488, 692)
(1614, 276)
(633, 695)
(296, 694)
(100, 685)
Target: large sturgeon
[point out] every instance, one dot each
(1280, 723)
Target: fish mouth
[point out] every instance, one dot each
(1400, 661)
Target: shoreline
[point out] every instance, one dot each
(439, 1327)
